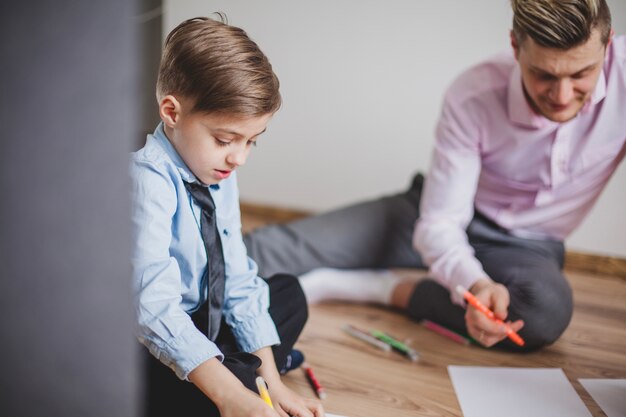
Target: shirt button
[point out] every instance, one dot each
(225, 232)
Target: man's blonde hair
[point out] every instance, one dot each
(561, 24)
(219, 67)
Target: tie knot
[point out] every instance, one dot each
(201, 195)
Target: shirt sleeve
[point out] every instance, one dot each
(246, 299)
(447, 203)
(162, 325)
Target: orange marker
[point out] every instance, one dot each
(473, 301)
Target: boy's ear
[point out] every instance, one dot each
(169, 110)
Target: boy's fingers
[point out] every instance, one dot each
(300, 411)
(317, 409)
(282, 413)
(314, 407)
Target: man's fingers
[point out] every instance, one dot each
(516, 326)
(484, 338)
(480, 321)
(500, 302)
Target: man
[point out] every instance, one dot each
(524, 146)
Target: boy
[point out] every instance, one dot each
(202, 309)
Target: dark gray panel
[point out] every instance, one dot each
(68, 100)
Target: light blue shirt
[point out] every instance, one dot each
(169, 262)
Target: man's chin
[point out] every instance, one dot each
(560, 116)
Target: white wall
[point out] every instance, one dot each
(362, 83)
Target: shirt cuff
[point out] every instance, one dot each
(186, 352)
(465, 274)
(256, 333)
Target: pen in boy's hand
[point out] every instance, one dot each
(263, 393)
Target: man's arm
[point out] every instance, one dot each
(447, 202)
(447, 207)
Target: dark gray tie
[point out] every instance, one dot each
(210, 313)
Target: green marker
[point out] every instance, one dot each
(396, 345)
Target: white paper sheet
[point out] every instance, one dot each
(515, 392)
(610, 394)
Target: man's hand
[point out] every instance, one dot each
(495, 297)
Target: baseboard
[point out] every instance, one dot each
(272, 214)
(604, 265)
(577, 261)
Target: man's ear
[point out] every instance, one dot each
(169, 110)
(514, 44)
(611, 34)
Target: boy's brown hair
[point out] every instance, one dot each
(560, 24)
(219, 67)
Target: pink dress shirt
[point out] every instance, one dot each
(534, 177)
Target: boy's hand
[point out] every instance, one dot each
(245, 403)
(495, 297)
(230, 396)
(288, 403)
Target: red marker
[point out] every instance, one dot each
(319, 390)
(445, 332)
(473, 301)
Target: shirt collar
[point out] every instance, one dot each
(520, 111)
(184, 171)
(599, 92)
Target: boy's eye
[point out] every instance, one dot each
(221, 142)
(252, 143)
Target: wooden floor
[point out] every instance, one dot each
(362, 381)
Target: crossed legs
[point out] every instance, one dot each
(378, 235)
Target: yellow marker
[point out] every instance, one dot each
(265, 396)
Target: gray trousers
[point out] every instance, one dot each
(378, 234)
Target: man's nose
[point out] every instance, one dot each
(562, 91)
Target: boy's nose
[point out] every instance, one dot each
(237, 157)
